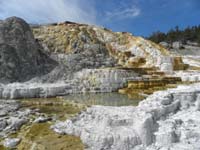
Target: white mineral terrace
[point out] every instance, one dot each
(165, 120)
(87, 80)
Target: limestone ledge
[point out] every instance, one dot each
(188, 76)
(192, 60)
(162, 121)
(87, 80)
(31, 90)
(169, 64)
(104, 80)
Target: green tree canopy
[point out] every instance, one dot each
(188, 34)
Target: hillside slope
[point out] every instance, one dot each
(72, 38)
(78, 58)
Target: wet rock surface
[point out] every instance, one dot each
(41, 137)
(26, 124)
(38, 134)
(12, 118)
(160, 121)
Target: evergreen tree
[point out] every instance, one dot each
(157, 37)
(188, 34)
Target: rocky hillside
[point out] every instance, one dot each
(60, 50)
(127, 50)
(21, 57)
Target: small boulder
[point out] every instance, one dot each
(164, 44)
(11, 142)
(3, 113)
(42, 120)
(177, 45)
(2, 124)
(16, 123)
(166, 101)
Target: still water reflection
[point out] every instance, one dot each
(106, 99)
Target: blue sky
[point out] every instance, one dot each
(140, 17)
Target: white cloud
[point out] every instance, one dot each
(45, 11)
(123, 13)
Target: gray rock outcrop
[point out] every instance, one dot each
(21, 57)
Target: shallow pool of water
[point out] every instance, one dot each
(105, 99)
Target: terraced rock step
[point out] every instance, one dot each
(87, 80)
(189, 76)
(151, 80)
(146, 79)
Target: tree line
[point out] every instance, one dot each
(191, 34)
